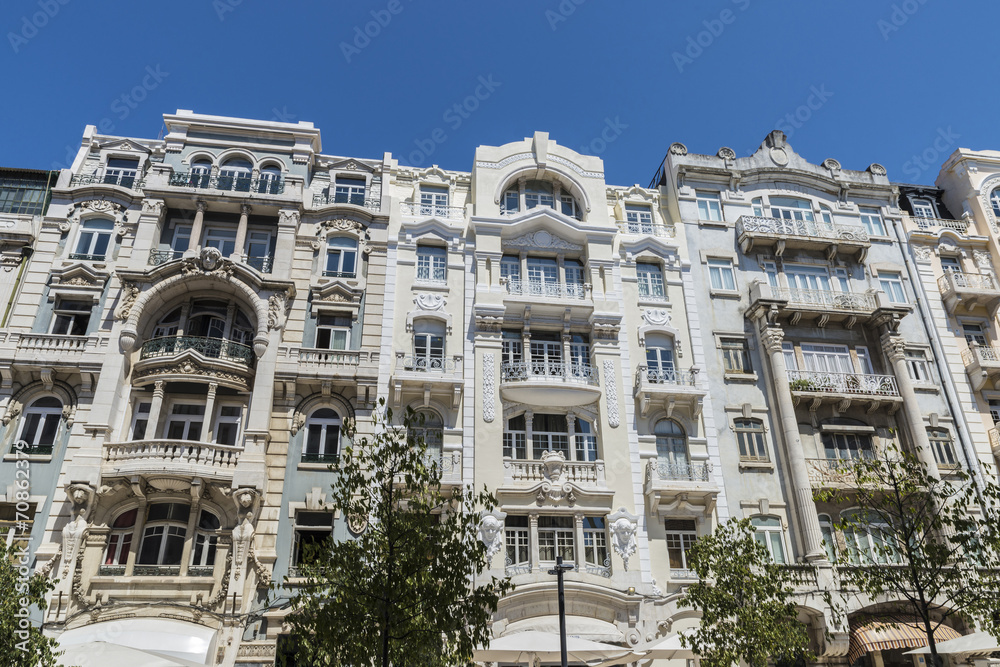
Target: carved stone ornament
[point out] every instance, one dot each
(489, 386)
(831, 164)
(210, 258)
(130, 292)
(921, 253)
(542, 240)
(678, 148)
(72, 537)
(726, 153)
(13, 412)
(556, 486)
(82, 496)
(611, 393)
(491, 533)
(152, 206)
(429, 301)
(242, 534)
(356, 523)
(877, 169)
(277, 305)
(288, 217)
(982, 258)
(624, 526)
(657, 317)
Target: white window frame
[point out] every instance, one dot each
(341, 247)
(46, 416)
(872, 220)
(682, 540)
(187, 419)
(206, 541)
(709, 206)
(595, 542)
(117, 539)
(349, 189)
(66, 321)
(141, 416)
(432, 264)
(771, 536)
(649, 278)
(434, 200)
(333, 327)
(558, 539)
(639, 218)
(235, 420)
(323, 425)
(222, 238)
(923, 209)
(891, 283)
(718, 269)
(299, 528)
(751, 438)
(92, 233)
(517, 540)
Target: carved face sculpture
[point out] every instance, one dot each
(624, 532)
(489, 529)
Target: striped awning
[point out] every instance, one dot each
(890, 634)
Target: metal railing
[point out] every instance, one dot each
(956, 280)
(86, 258)
(516, 371)
(156, 570)
(324, 199)
(111, 570)
(646, 229)
(864, 301)
(666, 376)
(752, 224)
(263, 263)
(215, 348)
(316, 457)
(340, 274)
(432, 210)
(513, 569)
(699, 471)
(201, 570)
(603, 570)
(183, 453)
(981, 354)
(125, 178)
(229, 183)
(35, 450)
(424, 364)
(158, 257)
(934, 224)
(520, 287)
(843, 383)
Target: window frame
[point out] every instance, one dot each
(322, 425)
(943, 446)
(717, 268)
(650, 281)
(299, 528)
(68, 321)
(341, 247)
(328, 327)
(432, 264)
(731, 352)
(872, 220)
(49, 417)
(891, 284)
(751, 434)
(770, 536)
(563, 539)
(712, 209)
(683, 539)
(94, 233)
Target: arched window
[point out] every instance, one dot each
(41, 424)
(750, 435)
(201, 173)
(235, 175)
(429, 428)
(995, 202)
(428, 345)
(537, 193)
(93, 241)
(168, 324)
(660, 359)
(829, 540)
(671, 442)
(164, 533)
(768, 532)
(341, 257)
(868, 539)
(120, 539)
(205, 539)
(322, 443)
(270, 180)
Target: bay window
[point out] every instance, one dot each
(164, 533)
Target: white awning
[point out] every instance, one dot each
(167, 637)
(576, 626)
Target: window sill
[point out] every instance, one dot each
(31, 458)
(725, 293)
(926, 387)
(653, 301)
(757, 466)
(731, 376)
(880, 239)
(721, 224)
(322, 467)
(434, 286)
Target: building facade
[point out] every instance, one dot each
(192, 319)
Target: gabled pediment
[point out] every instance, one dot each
(336, 295)
(351, 164)
(124, 145)
(411, 231)
(79, 280)
(653, 244)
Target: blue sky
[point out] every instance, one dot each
(863, 81)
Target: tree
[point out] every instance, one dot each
(401, 593)
(929, 543)
(745, 600)
(22, 644)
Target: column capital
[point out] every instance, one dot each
(201, 205)
(894, 346)
(158, 388)
(771, 338)
(246, 209)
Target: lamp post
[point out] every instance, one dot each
(558, 571)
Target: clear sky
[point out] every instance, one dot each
(899, 82)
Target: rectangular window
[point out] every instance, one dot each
(750, 435)
(510, 267)
(312, 530)
(650, 280)
(871, 219)
(428, 351)
(182, 239)
(333, 332)
(735, 355)
(432, 264)
(72, 318)
(512, 351)
(341, 257)
(93, 241)
(892, 284)
(516, 540)
(23, 196)
(827, 358)
(514, 439)
(974, 333)
(771, 271)
(569, 206)
(349, 191)
(792, 209)
(511, 202)
(227, 424)
(595, 542)
(720, 274)
(15, 526)
(768, 533)
(555, 538)
(121, 171)
(259, 251)
(140, 420)
(639, 219)
(434, 201)
(950, 264)
(788, 353)
(223, 239)
(943, 447)
(923, 208)
(681, 535)
(995, 411)
(185, 421)
(916, 364)
(709, 206)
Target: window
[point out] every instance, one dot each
(720, 274)
(510, 267)
(829, 539)
(270, 181)
(660, 359)
(333, 332)
(974, 333)
(871, 220)
(259, 251)
(555, 538)
(923, 208)
(40, 425)
(432, 264)
(94, 238)
(681, 535)
(227, 424)
(120, 539)
(516, 539)
(164, 534)
(538, 193)
(546, 353)
(121, 171)
(428, 345)
(185, 421)
(639, 219)
(586, 441)
(25, 196)
(847, 446)
(15, 526)
(549, 433)
(341, 257)
(235, 175)
(950, 264)
(709, 206)
(789, 208)
(827, 358)
(574, 278)
(322, 437)
(595, 542)
(892, 285)
(650, 279)
(223, 239)
(916, 365)
(768, 533)
(511, 202)
(826, 214)
(312, 531)
(514, 438)
(512, 347)
(349, 191)
(735, 355)
(429, 428)
(995, 202)
(206, 538)
(943, 447)
(570, 207)
(868, 540)
(750, 436)
(201, 173)
(671, 442)
(140, 420)
(181, 240)
(434, 201)
(72, 318)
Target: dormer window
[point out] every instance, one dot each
(532, 194)
(434, 201)
(923, 208)
(349, 191)
(121, 171)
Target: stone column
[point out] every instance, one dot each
(192, 526)
(578, 539)
(206, 425)
(533, 540)
(529, 448)
(155, 407)
(241, 233)
(140, 523)
(199, 221)
(895, 348)
(808, 519)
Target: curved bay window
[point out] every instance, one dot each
(119, 542)
(322, 439)
(530, 194)
(215, 329)
(550, 433)
(40, 425)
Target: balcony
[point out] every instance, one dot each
(48, 350)
(831, 473)
(229, 183)
(803, 577)
(171, 458)
(982, 363)
(123, 178)
(969, 290)
(210, 348)
(432, 211)
(521, 472)
(995, 441)
(263, 263)
(668, 388)
(934, 225)
(449, 464)
(667, 480)
(158, 257)
(755, 231)
(546, 290)
(428, 375)
(646, 229)
(325, 199)
(843, 388)
(552, 383)
(818, 306)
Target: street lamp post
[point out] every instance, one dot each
(558, 571)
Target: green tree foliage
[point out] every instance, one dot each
(402, 593)
(745, 600)
(930, 543)
(21, 643)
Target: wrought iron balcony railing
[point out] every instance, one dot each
(427, 364)
(317, 457)
(229, 183)
(125, 178)
(215, 348)
(956, 280)
(843, 383)
(432, 210)
(340, 274)
(696, 471)
(666, 376)
(85, 257)
(262, 263)
(827, 299)
(111, 570)
(325, 199)
(520, 287)
(752, 224)
(646, 229)
(520, 371)
(28, 449)
(158, 257)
